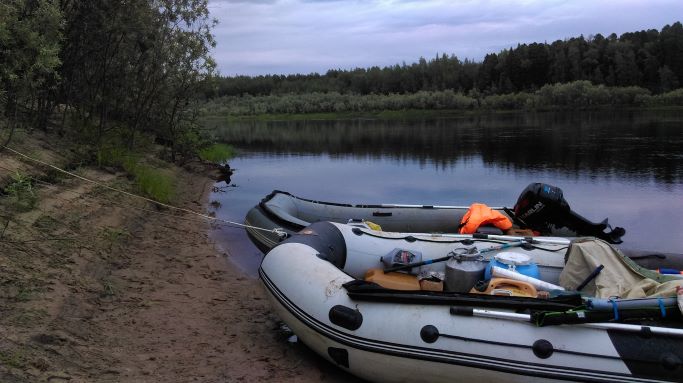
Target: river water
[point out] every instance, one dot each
(625, 165)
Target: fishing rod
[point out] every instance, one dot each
(451, 255)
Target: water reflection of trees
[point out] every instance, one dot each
(632, 144)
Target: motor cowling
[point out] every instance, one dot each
(541, 204)
(542, 207)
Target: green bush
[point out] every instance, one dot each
(673, 98)
(21, 193)
(112, 156)
(627, 95)
(510, 101)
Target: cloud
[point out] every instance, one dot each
(302, 36)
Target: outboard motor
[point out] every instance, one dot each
(543, 208)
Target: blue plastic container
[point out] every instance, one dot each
(530, 269)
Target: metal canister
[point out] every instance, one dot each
(464, 270)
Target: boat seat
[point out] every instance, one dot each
(283, 214)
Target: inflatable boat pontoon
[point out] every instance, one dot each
(315, 280)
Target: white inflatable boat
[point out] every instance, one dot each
(315, 280)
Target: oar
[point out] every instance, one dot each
(540, 240)
(482, 313)
(395, 205)
(450, 255)
(503, 246)
(513, 238)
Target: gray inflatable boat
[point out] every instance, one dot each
(540, 208)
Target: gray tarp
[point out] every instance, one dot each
(621, 277)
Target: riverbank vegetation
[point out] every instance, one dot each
(104, 74)
(217, 153)
(641, 69)
(578, 94)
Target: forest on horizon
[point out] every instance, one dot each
(648, 59)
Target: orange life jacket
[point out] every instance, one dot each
(480, 214)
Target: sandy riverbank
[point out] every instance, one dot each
(96, 287)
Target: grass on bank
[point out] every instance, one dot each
(143, 163)
(150, 181)
(216, 153)
(150, 178)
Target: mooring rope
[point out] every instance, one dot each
(279, 231)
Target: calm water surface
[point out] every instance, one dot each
(627, 166)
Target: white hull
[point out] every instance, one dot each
(392, 345)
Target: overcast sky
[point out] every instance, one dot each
(303, 36)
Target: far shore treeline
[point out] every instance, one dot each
(642, 68)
